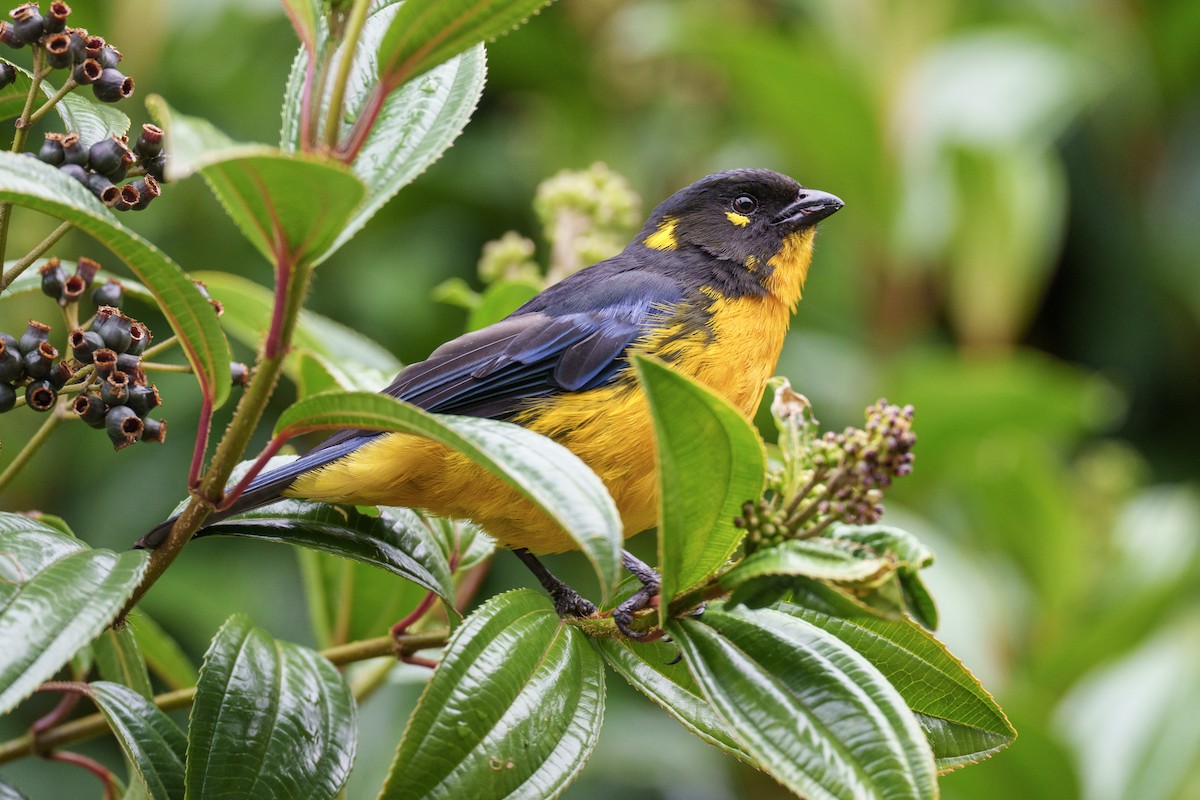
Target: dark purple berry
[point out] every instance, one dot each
(109, 57)
(88, 71)
(52, 150)
(156, 167)
(116, 332)
(74, 151)
(38, 361)
(58, 50)
(10, 37)
(8, 73)
(128, 198)
(110, 157)
(53, 278)
(150, 143)
(112, 85)
(79, 37)
(105, 361)
(27, 23)
(143, 399)
(73, 289)
(154, 430)
(75, 171)
(91, 409)
(8, 397)
(34, 335)
(139, 337)
(86, 268)
(83, 344)
(56, 18)
(114, 389)
(131, 365)
(103, 188)
(40, 395)
(147, 189)
(110, 293)
(123, 426)
(11, 365)
(60, 373)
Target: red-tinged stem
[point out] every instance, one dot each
(419, 661)
(349, 149)
(306, 101)
(203, 431)
(56, 715)
(401, 627)
(270, 451)
(92, 766)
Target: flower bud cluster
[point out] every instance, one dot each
(587, 216)
(89, 59)
(843, 479)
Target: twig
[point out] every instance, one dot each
(33, 255)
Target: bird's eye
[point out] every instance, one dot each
(744, 204)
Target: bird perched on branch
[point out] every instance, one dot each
(708, 285)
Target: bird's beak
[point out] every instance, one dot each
(809, 208)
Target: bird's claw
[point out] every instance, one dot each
(569, 603)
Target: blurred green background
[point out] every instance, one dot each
(1018, 258)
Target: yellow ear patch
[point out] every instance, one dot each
(664, 237)
(741, 220)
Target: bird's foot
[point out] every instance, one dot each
(567, 601)
(623, 614)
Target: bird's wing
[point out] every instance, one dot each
(572, 337)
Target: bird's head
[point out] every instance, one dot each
(750, 217)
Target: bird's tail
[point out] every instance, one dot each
(265, 488)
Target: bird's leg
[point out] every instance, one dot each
(623, 615)
(567, 601)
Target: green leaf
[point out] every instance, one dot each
(499, 300)
(648, 668)
(10, 792)
(819, 558)
(305, 16)
(513, 710)
(962, 721)
(396, 541)
(290, 206)
(151, 741)
(711, 461)
(30, 183)
(119, 660)
(427, 32)
(56, 595)
(270, 719)
(815, 714)
(163, 654)
(417, 123)
(81, 114)
(348, 600)
(909, 556)
(541, 470)
(352, 359)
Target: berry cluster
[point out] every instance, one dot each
(65, 289)
(120, 397)
(103, 166)
(29, 362)
(90, 60)
(844, 480)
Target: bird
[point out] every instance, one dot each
(708, 285)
